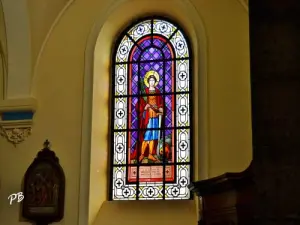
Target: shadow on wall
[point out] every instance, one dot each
(3, 54)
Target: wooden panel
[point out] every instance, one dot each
(227, 199)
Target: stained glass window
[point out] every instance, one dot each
(151, 116)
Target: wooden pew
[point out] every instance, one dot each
(226, 199)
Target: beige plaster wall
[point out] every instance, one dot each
(58, 84)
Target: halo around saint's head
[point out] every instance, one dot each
(151, 73)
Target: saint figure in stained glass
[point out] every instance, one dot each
(150, 112)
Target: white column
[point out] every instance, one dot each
(19, 49)
(17, 107)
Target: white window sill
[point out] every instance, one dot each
(177, 212)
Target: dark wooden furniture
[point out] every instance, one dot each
(226, 199)
(44, 189)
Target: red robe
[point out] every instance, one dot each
(143, 121)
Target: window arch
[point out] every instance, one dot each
(152, 113)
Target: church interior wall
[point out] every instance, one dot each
(67, 54)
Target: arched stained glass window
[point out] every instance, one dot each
(151, 116)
